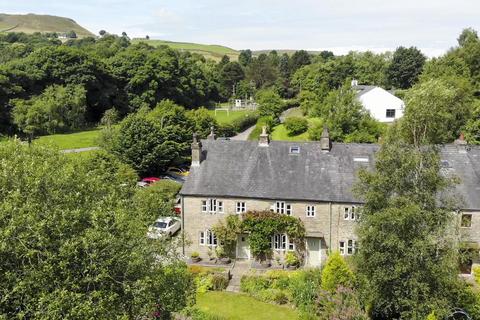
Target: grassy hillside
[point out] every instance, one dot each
(215, 52)
(30, 23)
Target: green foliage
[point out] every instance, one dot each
(227, 232)
(84, 252)
(152, 140)
(431, 316)
(158, 198)
(342, 303)
(270, 103)
(408, 254)
(203, 121)
(262, 225)
(336, 273)
(296, 125)
(476, 274)
(57, 109)
(110, 117)
(291, 259)
(207, 279)
(195, 254)
(436, 110)
(278, 286)
(406, 66)
(269, 122)
(346, 118)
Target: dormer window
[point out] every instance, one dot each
(390, 113)
(294, 150)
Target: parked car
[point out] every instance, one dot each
(147, 181)
(165, 226)
(178, 171)
(175, 178)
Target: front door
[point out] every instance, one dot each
(243, 251)
(314, 255)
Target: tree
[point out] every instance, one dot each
(245, 57)
(468, 35)
(58, 109)
(299, 59)
(102, 32)
(270, 103)
(436, 111)
(147, 37)
(71, 34)
(203, 121)
(124, 34)
(406, 66)
(231, 74)
(408, 257)
(158, 199)
(110, 117)
(336, 274)
(142, 144)
(74, 247)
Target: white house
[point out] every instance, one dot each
(383, 105)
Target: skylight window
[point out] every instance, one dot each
(295, 149)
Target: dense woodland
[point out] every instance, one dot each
(72, 230)
(48, 86)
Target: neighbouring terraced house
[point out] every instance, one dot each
(309, 180)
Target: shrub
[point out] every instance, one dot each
(268, 122)
(296, 125)
(336, 273)
(219, 281)
(291, 259)
(432, 316)
(195, 255)
(204, 283)
(253, 284)
(476, 274)
(304, 286)
(273, 295)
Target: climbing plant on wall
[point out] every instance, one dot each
(262, 225)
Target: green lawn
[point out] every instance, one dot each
(75, 140)
(235, 306)
(224, 118)
(281, 133)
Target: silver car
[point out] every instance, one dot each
(165, 226)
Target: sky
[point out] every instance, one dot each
(336, 25)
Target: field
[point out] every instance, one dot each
(75, 140)
(224, 118)
(235, 306)
(215, 52)
(30, 23)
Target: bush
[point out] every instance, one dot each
(291, 259)
(273, 295)
(219, 281)
(296, 125)
(238, 125)
(254, 284)
(336, 273)
(432, 316)
(204, 283)
(195, 255)
(476, 274)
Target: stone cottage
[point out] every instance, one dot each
(309, 180)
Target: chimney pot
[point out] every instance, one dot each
(212, 135)
(264, 140)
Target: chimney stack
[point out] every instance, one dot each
(196, 151)
(325, 143)
(461, 140)
(263, 140)
(212, 135)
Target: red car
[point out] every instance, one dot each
(148, 181)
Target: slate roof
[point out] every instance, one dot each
(243, 169)
(362, 89)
